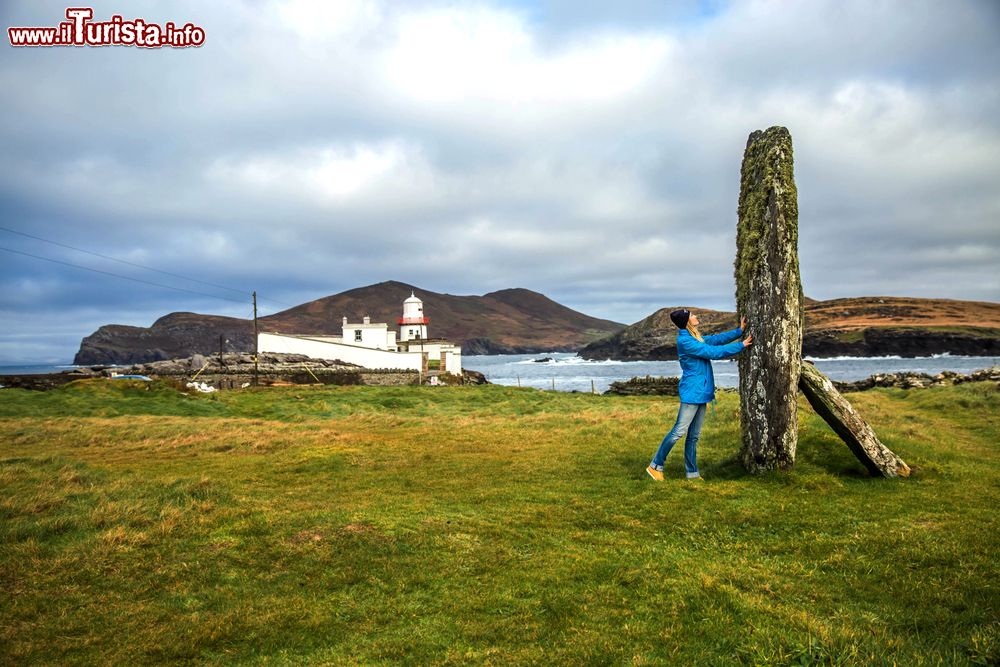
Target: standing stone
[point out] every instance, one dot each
(849, 425)
(769, 296)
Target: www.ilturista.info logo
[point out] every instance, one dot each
(79, 30)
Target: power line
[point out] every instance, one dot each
(138, 266)
(122, 261)
(278, 303)
(118, 275)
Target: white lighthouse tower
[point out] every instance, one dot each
(413, 324)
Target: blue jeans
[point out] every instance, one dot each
(690, 417)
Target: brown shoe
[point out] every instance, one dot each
(654, 473)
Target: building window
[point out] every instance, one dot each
(357, 335)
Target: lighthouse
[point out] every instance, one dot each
(413, 324)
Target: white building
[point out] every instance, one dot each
(374, 345)
(375, 336)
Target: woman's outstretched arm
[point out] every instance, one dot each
(696, 348)
(727, 336)
(724, 337)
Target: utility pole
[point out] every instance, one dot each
(255, 338)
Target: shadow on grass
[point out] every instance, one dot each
(732, 470)
(831, 455)
(729, 469)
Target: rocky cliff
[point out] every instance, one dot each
(856, 327)
(508, 321)
(173, 336)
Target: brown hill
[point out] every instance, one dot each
(512, 320)
(862, 327)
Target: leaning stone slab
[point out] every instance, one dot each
(769, 295)
(849, 425)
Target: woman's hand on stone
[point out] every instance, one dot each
(748, 341)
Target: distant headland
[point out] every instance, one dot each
(872, 326)
(508, 321)
(516, 321)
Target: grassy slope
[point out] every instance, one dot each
(932, 314)
(485, 525)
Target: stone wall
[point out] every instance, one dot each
(910, 380)
(234, 371)
(645, 386)
(667, 386)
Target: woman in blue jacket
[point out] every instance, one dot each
(697, 386)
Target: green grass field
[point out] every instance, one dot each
(485, 525)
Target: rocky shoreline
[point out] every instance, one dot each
(236, 370)
(667, 386)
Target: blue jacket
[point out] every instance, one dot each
(697, 383)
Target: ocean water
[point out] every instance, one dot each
(33, 369)
(568, 372)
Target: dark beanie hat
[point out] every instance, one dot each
(680, 317)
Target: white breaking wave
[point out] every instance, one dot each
(889, 356)
(943, 355)
(595, 362)
(569, 361)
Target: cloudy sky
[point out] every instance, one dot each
(586, 150)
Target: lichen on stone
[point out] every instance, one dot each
(769, 295)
